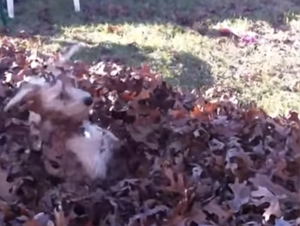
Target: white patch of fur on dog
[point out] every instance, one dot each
(93, 148)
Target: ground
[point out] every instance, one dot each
(181, 40)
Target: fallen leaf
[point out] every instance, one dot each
(241, 195)
(222, 213)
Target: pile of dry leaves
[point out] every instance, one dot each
(186, 159)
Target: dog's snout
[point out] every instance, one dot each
(88, 101)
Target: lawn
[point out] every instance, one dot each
(181, 40)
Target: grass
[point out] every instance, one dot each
(180, 40)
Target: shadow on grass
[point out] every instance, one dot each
(48, 17)
(183, 69)
(188, 72)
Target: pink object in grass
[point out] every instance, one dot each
(248, 38)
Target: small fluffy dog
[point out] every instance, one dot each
(70, 140)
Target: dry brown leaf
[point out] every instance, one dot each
(112, 29)
(196, 215)
(277, 190)
(127, 96)
(263, 195)
(177, 180)
(254, 113)
(177, 114)
(144, 94)
(198, 113)
(32, 222)
(6, 188)
(280, 168)
(241, 195)
(293, 116)
(222, 213)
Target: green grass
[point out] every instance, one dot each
(179, 39)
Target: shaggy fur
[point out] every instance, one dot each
(64, 126)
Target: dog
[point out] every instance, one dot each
(70, 141)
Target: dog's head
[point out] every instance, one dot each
(52, 97)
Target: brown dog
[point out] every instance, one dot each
(73, 147)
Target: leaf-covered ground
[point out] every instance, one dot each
(186, 159)
(182, 41)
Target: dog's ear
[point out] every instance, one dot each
(24, 92)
